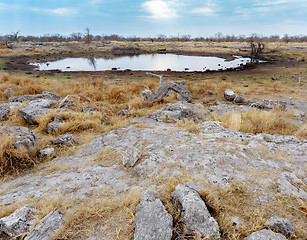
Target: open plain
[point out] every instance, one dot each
(90, 144)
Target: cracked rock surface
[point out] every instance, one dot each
(269, 163)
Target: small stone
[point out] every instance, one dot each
(89, 110)
(239, 99)
(125, 113)
(65, 139)
(229, 95)
(265, 235)
(211, 92)
(146, 94)
(106, 121)
(45, 153)
(280, 225)
(6, 108)
(131, 156)
(18, 222)
(8, 90)
(23, 136)
(68, 102)
(54, 125)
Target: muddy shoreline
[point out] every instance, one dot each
(21, 63)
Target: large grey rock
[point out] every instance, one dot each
(18, 222)
(194, 213)
(265, 235)
(35, 109)
(177, 87)
(54, 125)
(68, 102)
(281, 225)
(25, 98)
(229, 95)
(48, 226)
(131, 156)
(152, 221)
(65, 139)
(23, 136)
(6, 108)
(180, 111)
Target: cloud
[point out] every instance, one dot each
(206, 11)
(278, 2)
(58, 11)
(159, 9)
(210, 9)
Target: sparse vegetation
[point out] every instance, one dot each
(255, 121)
(15, 159)
(110, 92)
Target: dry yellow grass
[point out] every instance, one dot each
(189, 126)
(254, 121)
(105, 215)
(22, 86)
(108, 157)
(15, 159)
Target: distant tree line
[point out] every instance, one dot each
(87, 37)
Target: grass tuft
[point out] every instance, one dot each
(254, 121)
(15, 159)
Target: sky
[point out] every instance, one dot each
(150, 18)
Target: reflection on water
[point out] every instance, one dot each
(150, 62)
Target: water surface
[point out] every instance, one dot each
(146, 62)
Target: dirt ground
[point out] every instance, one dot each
(277, 56)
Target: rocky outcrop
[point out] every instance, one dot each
(18, 222)
(35, 109)
(194, 213)
(48, 226)
(180, 111)
(229, 95)
(43, 95)
(280, 225)
(55, 125)
(152, 221)
(65, 139)
(265, 235)
(6, 108)
(177, 87)
(23, 136)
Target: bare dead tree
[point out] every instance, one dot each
(15, 35)
(88, 36)
(159, 76)
(256, 48)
